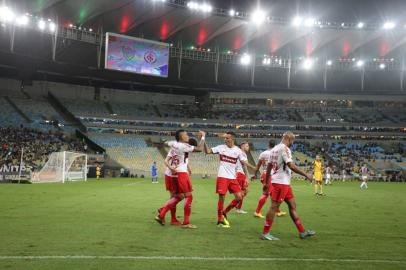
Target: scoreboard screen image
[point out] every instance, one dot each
(136, 55)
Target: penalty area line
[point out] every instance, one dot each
(194, 258)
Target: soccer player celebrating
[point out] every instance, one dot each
(171, 181)
(226, 178)
(182, 188)
(318, 176)
(263, 162)
(364, 177)
(171, 187)
(242, 180)
(281, 166)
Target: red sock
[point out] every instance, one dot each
(173, 214)
(261, 202)
(278, 210)
(169, 205)
(299, 225)
(220, 206)
(232, 204)
(239, 205)
(187, 209)
(267, 226)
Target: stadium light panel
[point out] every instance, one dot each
(308, 64)
(266, 61)
(192, 5)
(258, 17)
(360, 25)
(6, 14)
(360, 63)
(22, 20)
(389, 25)
(231, 12)
(52, 27)
(297, 21)
(245, 59)
(41, 24)
(206, 8)
(329, 63)
(382, 66)
(309, 22)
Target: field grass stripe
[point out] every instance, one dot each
(194, 258)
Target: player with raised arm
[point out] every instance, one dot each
(281, 166)
(229, 154)
(364, 177)
(179, 154)
(171, 182)
(263, 162)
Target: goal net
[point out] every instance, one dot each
(61, 167)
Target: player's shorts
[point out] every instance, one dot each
(184, 184)
(318, 177)
(281, 193)
(171, 183)
(364, 178)
(242, 180)
(328, 176)
(224, 184)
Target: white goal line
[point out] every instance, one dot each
(194, 258)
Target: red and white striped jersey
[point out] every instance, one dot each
(229, 158)
(180, 154)
(265, 156)
(280, 157)
(240, 168)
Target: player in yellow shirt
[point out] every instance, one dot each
(318, 175)
(98, 171)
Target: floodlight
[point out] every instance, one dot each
(297, 21)
(258, 17)
(245, 59)
(389, 25)
(41, 24)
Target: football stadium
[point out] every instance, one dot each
(202, 134)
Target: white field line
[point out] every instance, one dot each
(193, 258)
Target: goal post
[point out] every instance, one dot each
(61, 167)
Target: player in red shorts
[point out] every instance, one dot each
(226, 178)
(171, 187)
(171, 181)
(263, 162)
(242, 180)
(281, 166)
(182, 188)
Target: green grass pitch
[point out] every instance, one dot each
(114, 217)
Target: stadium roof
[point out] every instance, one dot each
(172, 23)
